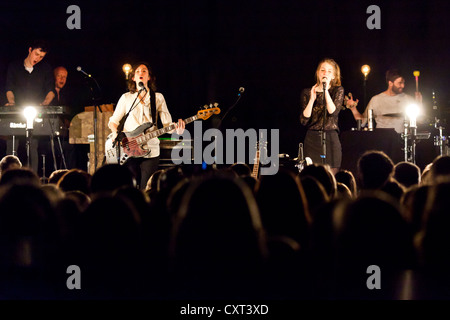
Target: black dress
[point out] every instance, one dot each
(315, 123)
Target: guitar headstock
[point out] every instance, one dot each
(208, 111)
(260, 144)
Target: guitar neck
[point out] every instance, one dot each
(168, 128)
(256, 166)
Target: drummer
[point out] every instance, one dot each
(390, 105)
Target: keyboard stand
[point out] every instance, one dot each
(14, 152)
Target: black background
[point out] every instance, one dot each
(203, 51)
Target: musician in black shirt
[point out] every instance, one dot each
(30, 82)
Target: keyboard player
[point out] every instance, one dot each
(29, 82)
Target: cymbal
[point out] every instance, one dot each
(394, 115)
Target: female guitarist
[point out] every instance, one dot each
(134, 109)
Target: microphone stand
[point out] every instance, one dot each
(300, 165)
(235, 103)
(323, 132)
(241, 90)
(96, 130)
(95, 100)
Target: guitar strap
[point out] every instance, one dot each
(153, 113)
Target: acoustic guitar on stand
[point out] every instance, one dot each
(256, 163)
(255, 172)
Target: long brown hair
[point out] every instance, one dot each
(151, 82)
(337, 72)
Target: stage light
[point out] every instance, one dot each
(127, 70)
(30, 114)
(412, 111)
(365, 69)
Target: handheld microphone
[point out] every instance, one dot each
(83, 72)
(324, 83)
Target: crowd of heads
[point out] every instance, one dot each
(221, 233)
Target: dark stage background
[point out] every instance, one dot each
(203, 51)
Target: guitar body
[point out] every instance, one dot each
(133, 145)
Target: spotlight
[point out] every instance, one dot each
(127, 70)
(412, 111)
(30, 114)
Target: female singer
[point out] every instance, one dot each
(320, 109)
(142, 86)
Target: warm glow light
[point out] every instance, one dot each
(365, 69)
(416, 73)
(30, 113)
(412, 111)
(127, 69)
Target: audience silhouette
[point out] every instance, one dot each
(221, 234)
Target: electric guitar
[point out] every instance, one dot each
(134, 144)
(256, 163)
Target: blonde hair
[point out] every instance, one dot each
(337, 72)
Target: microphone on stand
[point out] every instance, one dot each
(83, 72)
(141, 84)
(241, 91)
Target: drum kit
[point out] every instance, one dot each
(411, 136)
